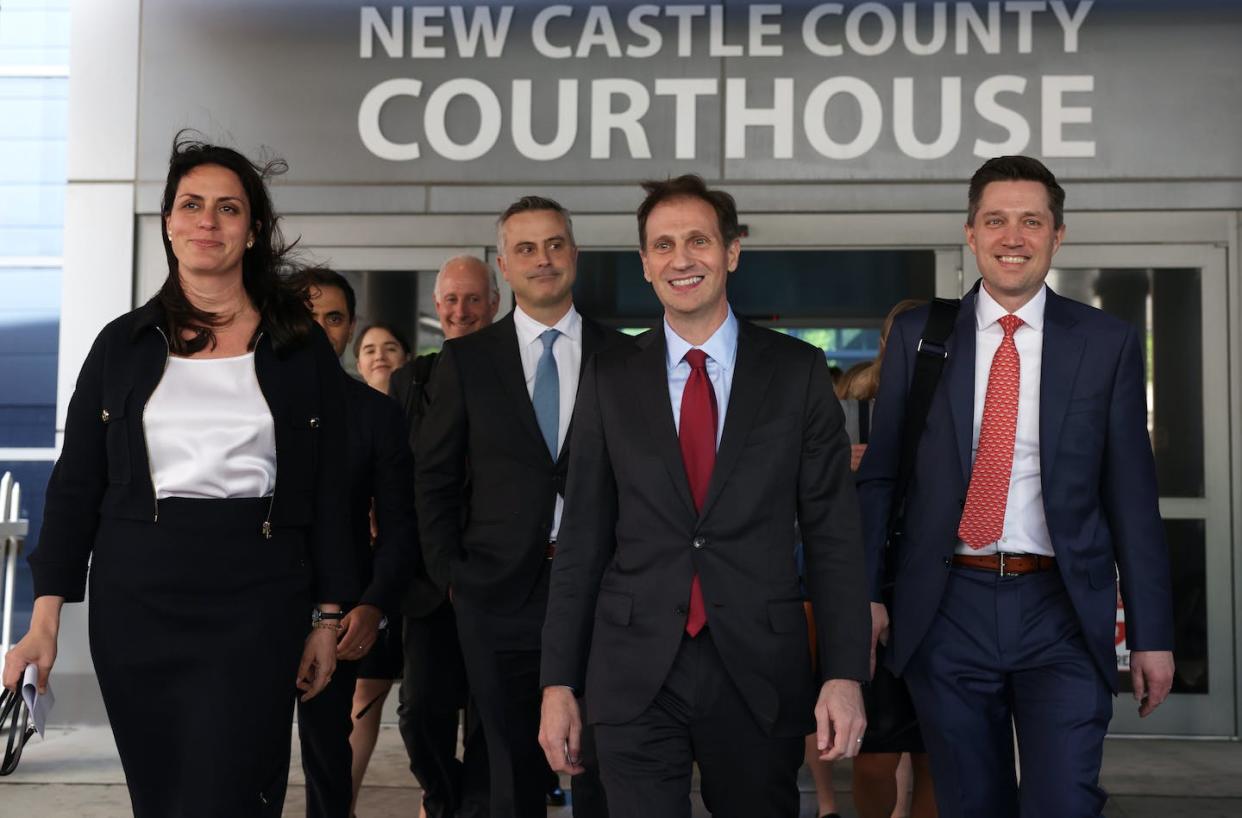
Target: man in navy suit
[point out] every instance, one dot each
(1033, 486)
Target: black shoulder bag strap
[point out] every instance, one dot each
(931, 354)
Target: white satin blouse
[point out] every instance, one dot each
(209, 430)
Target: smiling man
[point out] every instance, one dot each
(1034, 483)
(491, 466)
(675, 602)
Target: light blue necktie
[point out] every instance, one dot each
(547, 394)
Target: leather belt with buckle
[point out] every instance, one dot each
(549, 550)
(1007, 565)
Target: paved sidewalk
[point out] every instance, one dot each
(75, 773)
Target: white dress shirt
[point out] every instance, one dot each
(568, 354)
(1026, 529)
(209, 430)
(721, 351)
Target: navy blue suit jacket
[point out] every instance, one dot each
(1097, 472)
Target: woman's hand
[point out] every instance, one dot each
(38, 646)
(318, 662)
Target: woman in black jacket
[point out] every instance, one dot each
(197, 479)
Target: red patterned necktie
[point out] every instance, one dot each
(697, 435)
(983, 518)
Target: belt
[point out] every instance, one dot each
(1007, 565)
(549, 550)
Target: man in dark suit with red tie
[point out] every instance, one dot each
(1033, 485)
(675, 603)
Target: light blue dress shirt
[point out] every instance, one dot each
(721, 351)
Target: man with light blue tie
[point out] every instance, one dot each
(491, 461)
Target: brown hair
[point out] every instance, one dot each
(862, 380)
(1016, 169)
(688, 186)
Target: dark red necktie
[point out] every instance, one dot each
(697, 435)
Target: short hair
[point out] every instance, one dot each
(390, 329)
(527, 204)
(689, 186)
(1016, 169)
(307, 277)
(492, 286)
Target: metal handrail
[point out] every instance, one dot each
(12, 538)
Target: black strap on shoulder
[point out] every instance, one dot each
(932, 352)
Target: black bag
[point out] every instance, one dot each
(892, 724)
(15, 729)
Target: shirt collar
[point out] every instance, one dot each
(529, 330)
(721, 347)
(988, 312)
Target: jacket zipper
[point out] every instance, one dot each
(266, 528)
(155, 500)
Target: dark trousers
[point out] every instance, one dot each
(1006, 653)
(324, 725)
(699, 715)
(433, 691)
(502, 661)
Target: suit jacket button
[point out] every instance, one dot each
(699, 542)
(948, 562)
(680, 610)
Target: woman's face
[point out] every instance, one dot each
(379, 355)
(209, 226)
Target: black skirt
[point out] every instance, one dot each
(197, 624)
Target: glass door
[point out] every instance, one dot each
(1176, 297)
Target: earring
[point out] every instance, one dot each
(249, 244)
(170, 235)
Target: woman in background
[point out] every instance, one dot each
(892, 750)
(195, 481)
(381, 350)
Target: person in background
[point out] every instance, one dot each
(338, 730)
(490, 466)
(433, 685)
(892, 757)
(198, 479)
(381, 349)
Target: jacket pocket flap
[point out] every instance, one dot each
(786, 616)
(614, 607)
(114, 400)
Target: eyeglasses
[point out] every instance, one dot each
(15, 725)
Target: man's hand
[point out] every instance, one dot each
(839, 719)
(856, 455)
(879, 629)
(560, 730)
(359, 630)
(318, 662)
(1151, 674)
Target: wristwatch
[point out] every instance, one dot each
(318, 616)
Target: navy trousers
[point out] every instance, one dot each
(1006, 654)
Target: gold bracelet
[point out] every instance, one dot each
(325, 624)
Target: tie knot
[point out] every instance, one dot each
(1010, 324)
(549, 338)
(697, 359)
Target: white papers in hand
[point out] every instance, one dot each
(38, 704)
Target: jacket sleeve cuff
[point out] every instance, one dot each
(59, 579)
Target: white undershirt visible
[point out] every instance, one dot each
(1026, 528)
(209, 431)
(568, 354)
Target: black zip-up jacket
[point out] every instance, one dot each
(103, 468)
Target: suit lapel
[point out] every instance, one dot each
(593, 336)
(1062, 354)
(650, 371)
(961, 380)
(751, 375)
(512, 378)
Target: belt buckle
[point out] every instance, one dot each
(1001, 556)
